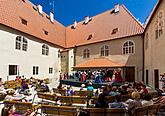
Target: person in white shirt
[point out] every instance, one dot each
(147, 100)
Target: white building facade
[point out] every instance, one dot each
(24, 55)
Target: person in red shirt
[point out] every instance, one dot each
(144, 89)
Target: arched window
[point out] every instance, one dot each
(129, 47)
(86, 53)
(45, 49)
(159, 28)
(21, 43)
(104, 50)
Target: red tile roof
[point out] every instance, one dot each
(11, 12)
(99, 62)
(102, 26)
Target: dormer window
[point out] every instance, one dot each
(23, 1)
(90, 36)
(23, 21)
(45, 32)
(114, 31)
(35, 8)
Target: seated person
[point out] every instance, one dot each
(44, 88)
(132, 104)
(11, 96)
(82, 87)
(69, 91)
(117, 103)
(2, 89)
(9, 111)
(101, 103)
(147, 100)
(90, 87)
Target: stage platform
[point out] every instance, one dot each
(77, 83)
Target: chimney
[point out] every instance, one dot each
(52, 17)
(40, 9)
(86, 20)
(75, 24)
(117, 8)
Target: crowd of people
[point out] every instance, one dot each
(138, 91)
(98, 76)
(23, 93)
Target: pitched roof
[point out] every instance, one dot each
(99, 62)
(12, 11)
(102, 26)
(150, 16)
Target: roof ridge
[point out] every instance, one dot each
(132, 15)
(152, 13)
(44, 13)
(93, 16)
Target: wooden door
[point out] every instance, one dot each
(156, 77)
(130, 74)
(146, 76)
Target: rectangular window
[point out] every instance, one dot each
(12, 69)
(50, 70)
(35, 70)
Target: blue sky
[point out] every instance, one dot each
(66, 11)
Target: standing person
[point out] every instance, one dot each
(101, 103)
(83, 77)
(118, 77)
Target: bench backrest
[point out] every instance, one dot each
(83, 93)
(115, 112)
(59, 110)
(153, 108)
(95, 111)
(140, 111)
(60, 91)
(21, 107)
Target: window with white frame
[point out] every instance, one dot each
(128, 47)
(13, 69)
(35, 70)
(159, 27)
(105, 50)
(21, 43)
(50, 70)
(45, 49)
(86, 53)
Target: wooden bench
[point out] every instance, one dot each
(60, 91)
(115, 112)
(59, 110)
(153, 109)
(140, 111)
(83, 93)
(106, 111)
(21, 107)
(12, 84)
(95, 111)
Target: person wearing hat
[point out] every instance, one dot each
(82, 87)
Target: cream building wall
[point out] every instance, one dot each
(115, 53)
(154, 49)
(27, 59)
